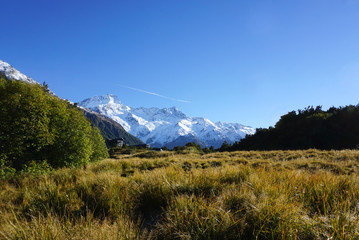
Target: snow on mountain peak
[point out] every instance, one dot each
(96, 101)
(167, 126)
(11, 73)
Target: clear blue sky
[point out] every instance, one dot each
(234, 61)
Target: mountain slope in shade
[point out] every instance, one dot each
(109, 128)
(168, 126)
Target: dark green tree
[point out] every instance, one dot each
(336, 128)
(225, 147)
(36, 126)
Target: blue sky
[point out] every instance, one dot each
(233, 61)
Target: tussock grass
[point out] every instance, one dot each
(238, 195)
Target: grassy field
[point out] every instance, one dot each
(164, 195)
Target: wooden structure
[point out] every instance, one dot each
(118, 142)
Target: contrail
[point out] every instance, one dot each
(155, 94)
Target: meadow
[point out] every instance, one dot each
(307, 194)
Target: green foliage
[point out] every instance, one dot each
(6, 171)
(190, 147)
(225, 146)
(208, 150)
(336, 128)
(99, 149)
(35, 169)
(37, 127)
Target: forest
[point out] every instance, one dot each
(312, 127)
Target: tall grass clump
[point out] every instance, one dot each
(191, 217)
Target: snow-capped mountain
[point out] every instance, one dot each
(158, 127)
(11, 73)
(167, 126)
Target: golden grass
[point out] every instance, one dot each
(308, 194)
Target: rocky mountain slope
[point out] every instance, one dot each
(110, 129)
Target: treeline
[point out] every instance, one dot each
(39, 130)
(336, 128)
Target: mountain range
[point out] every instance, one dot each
(167, 126)
(159, 127)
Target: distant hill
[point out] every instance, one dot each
(110, 129)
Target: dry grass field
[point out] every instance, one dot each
(308, 194)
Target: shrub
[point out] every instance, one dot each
(37, 126)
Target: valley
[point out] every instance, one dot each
(179, 120)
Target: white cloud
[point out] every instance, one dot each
(156, 94)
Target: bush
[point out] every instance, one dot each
(36, 126)
(5, 170)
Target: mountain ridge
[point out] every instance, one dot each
(166, 126)
(14, 74)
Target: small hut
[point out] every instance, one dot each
(147, 146)
(117, 142)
